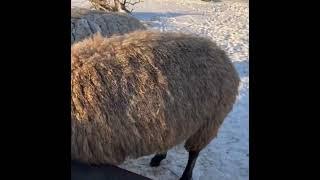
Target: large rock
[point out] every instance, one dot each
(86, 22)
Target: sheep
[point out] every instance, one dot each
(85, 22)
(144, 92)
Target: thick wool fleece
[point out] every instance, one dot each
(145, 92)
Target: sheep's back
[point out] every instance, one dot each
(146, 92)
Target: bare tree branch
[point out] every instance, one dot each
(125, 3)
(133, 3)
(117, 5)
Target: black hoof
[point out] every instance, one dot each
(185, 178)
(154, 163)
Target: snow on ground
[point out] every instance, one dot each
(227, 23)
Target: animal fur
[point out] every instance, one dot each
(85, 22)
(145, 92)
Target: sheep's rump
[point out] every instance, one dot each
(86, 22)
(145, 92)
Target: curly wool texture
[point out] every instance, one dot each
(86, 22)
(145, 92)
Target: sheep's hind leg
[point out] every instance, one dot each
(195, 144)
(187, 174)
(155, 161)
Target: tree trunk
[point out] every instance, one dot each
(117, 5)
